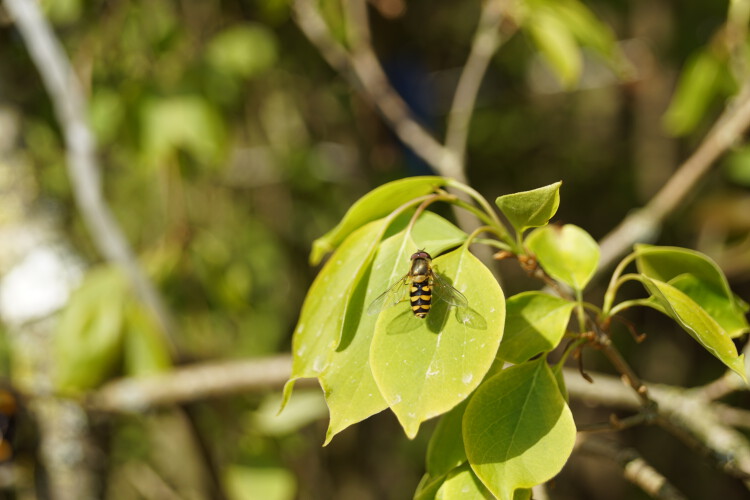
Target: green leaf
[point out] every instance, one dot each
(189, 123)
(145, 349)
(319, 329)
(530, 208)
(462, 483)
(268, 483)
(88, 338)
(351, 392)
(535, 322)
(377, 203)
(585, 26)
(730, 314)
(700, 278)
(568, 253)
(445, 450)
(244, 50)
(518, 430)
(426, 369)
(557, 44)
(697, 322)
(697, 88)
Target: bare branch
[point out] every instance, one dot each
(644, 224)
(70, 107)
(635, 469)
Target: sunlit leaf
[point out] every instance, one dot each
(462, 484)
(376, 204)
(530, 208)
(697, 322)
(696, 275)
(426, 369)
(535, 322)
(319, 328)
(88, 338)
(351, 392)
(518, 430)
(568, 253)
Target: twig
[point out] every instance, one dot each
(635, 468)
(644, 224)
(70, 107)
(486, 42)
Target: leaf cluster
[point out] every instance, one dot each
(506, 425)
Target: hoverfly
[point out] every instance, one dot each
(421, 283)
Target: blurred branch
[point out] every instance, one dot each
(635, 469)
(193, 382)
(644, 224)
(71, 107)
(360, 63)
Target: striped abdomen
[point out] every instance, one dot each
(420, 295)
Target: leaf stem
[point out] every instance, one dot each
(615, 283)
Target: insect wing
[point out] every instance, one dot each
(442, 290)
(395, 294)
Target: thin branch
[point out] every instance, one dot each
(486, 42)
(635, 469)
(644, 224)
(70, 106)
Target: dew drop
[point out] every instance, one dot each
(467, 378)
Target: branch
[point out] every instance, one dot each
(635, 468)
(193, 382)
(70, 107)
(644, 224)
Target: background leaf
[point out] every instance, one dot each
(568, 253)
(518, 430)
(427, 371)
(535, 322)
(530, 208)
(88, 339)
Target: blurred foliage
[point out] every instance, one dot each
(229, 146)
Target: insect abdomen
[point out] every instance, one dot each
(421, 296)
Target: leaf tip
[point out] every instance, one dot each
(288, 389)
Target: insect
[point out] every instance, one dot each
(421, 283)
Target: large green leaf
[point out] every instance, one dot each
(376, 204)
(568, 253)
(700, 278)
(319, 329)
(145, 349)
(88, 338)
(530, 208)
(518, 430)
(697, 322)
(351, 392)
(535, 322)
(426, 367)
